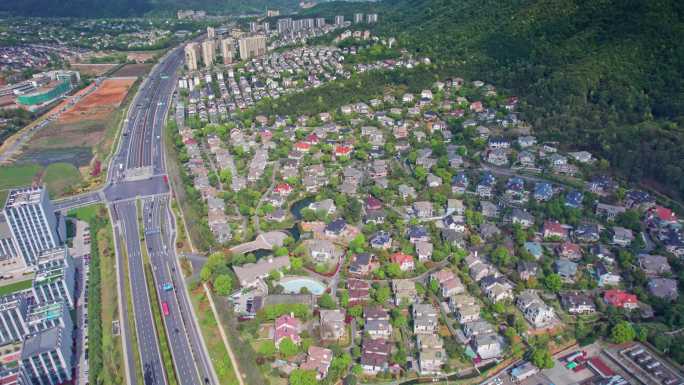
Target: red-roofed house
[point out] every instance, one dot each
(476, 106)
(404, 261)
(663, 216)
(318, 360)
(343, 150)
(283, 189)
(373, 203)
(302, 146)
(570, 250)
(554, 229)
(266, 135)
(287, 326)
(312, 139)
(621, 299)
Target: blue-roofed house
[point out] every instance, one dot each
(515, 184)
(336, 227)
(459, 183)
(418, 233)
(543, 191)
(486, 186)
(381, 240)
(574, 199)
(566, 269)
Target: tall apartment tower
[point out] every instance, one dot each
(13, 326)
(358, 18)
(252, 46)
(211, 33)
(253, 26)
(272, 12)
(320, 22)
(284, 25)
(32, 222)
(371, 18)
(208, 50)
(46, 356)
(191, 53)
(339, 20)
(227, 50)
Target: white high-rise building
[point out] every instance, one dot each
(32, 223)
(339, 20)
(320, 22)
(371, 18)
(358, 18)
(227, 48)
(191, 56)
(211, 33)
(252, 46)
(46, 356)
(208, 49)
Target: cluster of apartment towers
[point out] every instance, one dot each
(254, 44)
(36, 328)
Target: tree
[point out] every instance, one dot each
(541, 358)
(501, 257)
(303, 377)
(622, 332)
(382, 294)
(205, 273)
(326, 301)
(223, 284)
(393, 270)
(553, 282)
(267, 348)
(288, 348)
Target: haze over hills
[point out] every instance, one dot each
(128, 8)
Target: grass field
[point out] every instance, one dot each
(15, 287)
(212, 337)
(17, 175)
(61, 178)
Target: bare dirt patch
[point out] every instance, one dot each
(100, 103)
(92, 69)
(133, 70)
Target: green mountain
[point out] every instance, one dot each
(602, 75)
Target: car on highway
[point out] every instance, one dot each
(165, 308)
(168, 286)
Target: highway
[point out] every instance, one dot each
(153, 369)
(137, 173)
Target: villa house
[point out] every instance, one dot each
(287, 326)
(332, 325)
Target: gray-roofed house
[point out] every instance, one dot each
(332, 324)
(250, 273)
(566, 269)
(664, 288)
(654, 265)
(425, 318)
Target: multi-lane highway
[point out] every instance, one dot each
(153, 370)
(137, 174)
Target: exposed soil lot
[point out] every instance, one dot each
(92, 69)
(86, 123)
(133, 70)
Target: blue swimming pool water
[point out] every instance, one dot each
(295, 284)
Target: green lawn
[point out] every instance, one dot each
(217, 350)
(17, 175)
(15, 286)
(86, 213)
(61, 178)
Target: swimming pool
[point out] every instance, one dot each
(295, 284)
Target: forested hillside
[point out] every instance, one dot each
(126, 8)
(607, 75)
